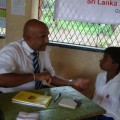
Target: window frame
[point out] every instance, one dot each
(67, 45)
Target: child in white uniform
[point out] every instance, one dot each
(107, 87)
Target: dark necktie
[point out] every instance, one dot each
(38, 84)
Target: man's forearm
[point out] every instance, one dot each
(14, 79)
(56, 81)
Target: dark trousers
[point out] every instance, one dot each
(101, 117)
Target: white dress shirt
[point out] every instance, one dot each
(16, 58)
(107, 95)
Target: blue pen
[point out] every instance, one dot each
(56, 98)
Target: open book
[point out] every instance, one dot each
(33, 99)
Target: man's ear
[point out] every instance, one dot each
(27, 39)
(116, 65)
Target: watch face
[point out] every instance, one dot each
(70, 80)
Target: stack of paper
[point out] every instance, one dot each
(69, 103)
(33, 99)
(27, 116)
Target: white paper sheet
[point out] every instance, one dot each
(18, 7)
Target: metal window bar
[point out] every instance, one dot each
(2, 18)
(76, 33)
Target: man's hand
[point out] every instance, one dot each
(80, 84)
(44, 76)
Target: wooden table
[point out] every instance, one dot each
(54, 111)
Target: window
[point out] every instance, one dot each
(2, 18)
(78, 34)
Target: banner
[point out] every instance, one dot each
(94, 11)
(3, 13)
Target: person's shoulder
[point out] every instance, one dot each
(117, 78)
(15, 44)
(119, 74)
(102, 74)
(11, 46)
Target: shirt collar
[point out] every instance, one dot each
(27, 49)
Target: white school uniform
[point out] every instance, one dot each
(16, 58)
(107, 95)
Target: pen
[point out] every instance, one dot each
(56, 98)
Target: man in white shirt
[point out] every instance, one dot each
(16, 62)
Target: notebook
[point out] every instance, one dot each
(33, 99)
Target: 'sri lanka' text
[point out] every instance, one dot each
(104, 2)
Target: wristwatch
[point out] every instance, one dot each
(69, 81)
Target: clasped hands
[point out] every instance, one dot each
(79, 84)
(44, 76)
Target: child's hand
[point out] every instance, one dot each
(80, 84)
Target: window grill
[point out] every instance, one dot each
(76, 33)
(2, 18)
